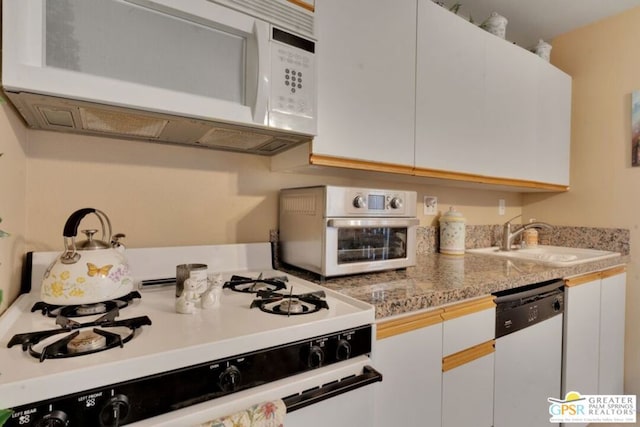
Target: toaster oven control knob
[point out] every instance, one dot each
(395, 203)
(359, 202)
(343, 350)
(54, 419)
(316, 357)
(230, 379)
(115, 411)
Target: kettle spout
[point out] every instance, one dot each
(115, 241)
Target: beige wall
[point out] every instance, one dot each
(13, 183)
(163, 195)
(604, 62)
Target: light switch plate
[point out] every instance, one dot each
(501, 207)
(430, 205)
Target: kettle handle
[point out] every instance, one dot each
(70, 255)
(73, 222)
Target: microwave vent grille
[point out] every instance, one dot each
(116, 122)
(283, 12)
(233, 139)
(301, 204)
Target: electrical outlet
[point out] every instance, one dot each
(430, 205)
(501, 208)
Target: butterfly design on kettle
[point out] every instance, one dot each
(93, 270)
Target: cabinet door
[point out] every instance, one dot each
(450, 92)
(553, 125)
(510, 110)
(612, 310)
(467, 394)
(366, 80)
(581, 337)
(409, 394)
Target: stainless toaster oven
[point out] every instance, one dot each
(335, 231)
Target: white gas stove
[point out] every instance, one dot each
(183, 368)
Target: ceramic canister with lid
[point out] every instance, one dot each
(452, 232)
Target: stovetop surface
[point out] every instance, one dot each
(172, 341)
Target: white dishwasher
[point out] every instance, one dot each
(528, 357)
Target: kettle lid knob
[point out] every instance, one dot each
(91, 243)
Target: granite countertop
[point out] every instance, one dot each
(438, 280)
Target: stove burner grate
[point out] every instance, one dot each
(248, 285)
(290, 305)
(81, 310)
(76, 342)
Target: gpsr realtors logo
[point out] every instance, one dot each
(576, 408)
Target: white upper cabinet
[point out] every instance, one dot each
(450, 91)
(405, 86)
(485, 106)
(366, 80)
(554, 125)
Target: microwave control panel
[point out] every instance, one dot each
(293, 75)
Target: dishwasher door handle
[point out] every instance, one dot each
(306, 398)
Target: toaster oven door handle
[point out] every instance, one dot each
(306, 398)
(373, 222)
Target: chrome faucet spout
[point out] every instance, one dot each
(508, 236)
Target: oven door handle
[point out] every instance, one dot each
(374, 222)
(306, 398)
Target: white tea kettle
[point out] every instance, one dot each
(89, 271)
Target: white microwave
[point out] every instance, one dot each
(182, 71)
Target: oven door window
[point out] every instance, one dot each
(371, 244)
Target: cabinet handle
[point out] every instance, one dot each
(469, 355)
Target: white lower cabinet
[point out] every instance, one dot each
(437, 367)
(467, 394)
(612, 313)
(468, 364)
(593, 344)
(408, 353)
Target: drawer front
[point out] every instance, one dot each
(468, 325)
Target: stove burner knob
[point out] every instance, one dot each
(54, 419)
(316, 357)
(359, 202)
(229, 379)
(395, 203)
(343, 350)
(115, 411)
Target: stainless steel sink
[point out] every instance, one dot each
(559, 256)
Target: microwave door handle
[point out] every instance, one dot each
(260, 103)
(373, 223)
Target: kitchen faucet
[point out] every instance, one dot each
(508, 235)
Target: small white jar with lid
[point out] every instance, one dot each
(452, 232)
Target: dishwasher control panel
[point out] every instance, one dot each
(517, 309)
